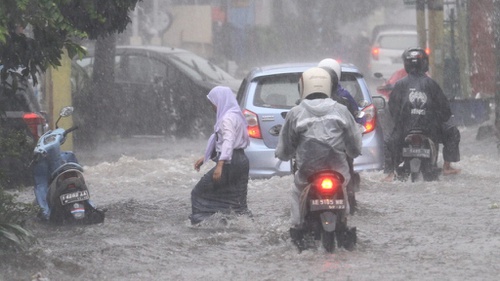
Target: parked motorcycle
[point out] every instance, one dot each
(322, 203)
(60, 186)
(420, 155)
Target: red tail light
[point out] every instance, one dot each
(428, 51)
(36, 124)
(253, 124)
(327, 184)
(371, 118)
(375, 52)
(414, 140)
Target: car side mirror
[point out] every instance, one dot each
(379, 102)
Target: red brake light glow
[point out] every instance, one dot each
(35, 123)
(371, 118)
(327, 184)
(253, 124)
(375, 53)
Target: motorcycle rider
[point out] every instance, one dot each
(343, 96)
(317, 118)
(418, 102)
(338, 92)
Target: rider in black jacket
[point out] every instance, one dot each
(418, 103)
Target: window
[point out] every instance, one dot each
(397, 41)
(280, 91)
(139, 69)
(351, 84)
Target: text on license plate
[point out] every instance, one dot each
(416, 152)
(74, 197)
(322, 204)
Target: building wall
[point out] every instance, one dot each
(482, 56)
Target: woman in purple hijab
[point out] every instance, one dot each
(224, 188)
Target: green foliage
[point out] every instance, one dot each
(55, 25)
(11, 143)
(13, 214)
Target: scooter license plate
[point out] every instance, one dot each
(416, 152)
(327, 204)
(77, 196)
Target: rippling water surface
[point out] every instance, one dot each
(446, 230)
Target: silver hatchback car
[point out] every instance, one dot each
(269, 92)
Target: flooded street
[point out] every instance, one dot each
(446, 230)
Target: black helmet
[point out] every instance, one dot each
(415, 60)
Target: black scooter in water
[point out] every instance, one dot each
(60, 186)
(323, 203)
(325, 213)
(420, 155)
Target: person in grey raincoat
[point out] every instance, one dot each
(317, 120)
(224, 188)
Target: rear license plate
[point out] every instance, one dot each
(68, 198)
(327, 204)
(416, 152)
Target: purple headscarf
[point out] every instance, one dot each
(225, 101)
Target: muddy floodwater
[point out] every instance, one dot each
(445, 230)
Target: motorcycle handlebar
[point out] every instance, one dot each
(70, 130)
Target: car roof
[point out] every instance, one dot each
(391, 28)
(157, 49)
(293, 68)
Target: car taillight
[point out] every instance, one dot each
(370, 118)
(253, 124)
(375, 53)
(327, 185)
(36, 124)
(428, 51)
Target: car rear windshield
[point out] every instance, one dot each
(398, 42)
(281, 91)
(277, 91)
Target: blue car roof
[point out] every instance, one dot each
(293, 68)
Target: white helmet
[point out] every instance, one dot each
(315, 80)
(333, 64)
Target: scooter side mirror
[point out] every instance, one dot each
(66, 111)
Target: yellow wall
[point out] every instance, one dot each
(58, 89)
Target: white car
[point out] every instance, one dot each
(387, 48)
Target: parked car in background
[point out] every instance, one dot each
(21, 125)
(162, 90)
(268, 93)
(388, 44)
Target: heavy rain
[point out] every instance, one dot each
(140, 136)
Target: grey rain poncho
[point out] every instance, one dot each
(318, 121)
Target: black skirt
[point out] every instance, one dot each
(227, 196)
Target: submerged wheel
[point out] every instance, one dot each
(328, 240)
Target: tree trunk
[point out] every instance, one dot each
(105, 115)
